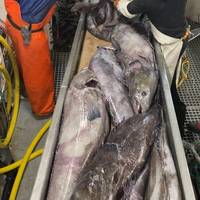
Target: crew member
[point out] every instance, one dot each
(25, 25)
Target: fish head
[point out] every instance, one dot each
(142, 87)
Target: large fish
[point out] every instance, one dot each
(110, 76)
(84, 127)
(138, 60)
(122, 156)
(163, 181)
(101, 17)
(142, 84)
(132, 46)
(136, 188)
(101, 20)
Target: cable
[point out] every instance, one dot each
(15, 165)
(6, 76)
(26, 159)
(4, 142)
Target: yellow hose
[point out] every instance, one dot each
(26, 159)
(15, 165)
(6, 76)
(4, 142)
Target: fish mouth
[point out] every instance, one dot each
(137, 107)
(91, 83)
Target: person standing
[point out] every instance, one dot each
(25, 25)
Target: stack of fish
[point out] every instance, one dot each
(102, 17)
(113, 143)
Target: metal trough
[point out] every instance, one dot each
(43, 175)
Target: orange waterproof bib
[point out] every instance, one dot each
(33, 59)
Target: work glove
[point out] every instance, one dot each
(121, 6)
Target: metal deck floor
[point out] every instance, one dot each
(27, 128)
(190, 91)
(60, 62)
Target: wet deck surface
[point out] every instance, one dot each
(27, 127)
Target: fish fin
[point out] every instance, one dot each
(120, 59)
(93, 113)
(115, 44)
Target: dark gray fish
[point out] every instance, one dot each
(109, 74)
(100, 21)
(101, 17)
(135, 189)
(121, 157)
(163, 181)
(84, 127)
(142, 85)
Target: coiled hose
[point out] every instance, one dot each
(5, 142)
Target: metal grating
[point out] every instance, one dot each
(189, 92)
(60, 60)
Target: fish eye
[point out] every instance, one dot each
(144, 93)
